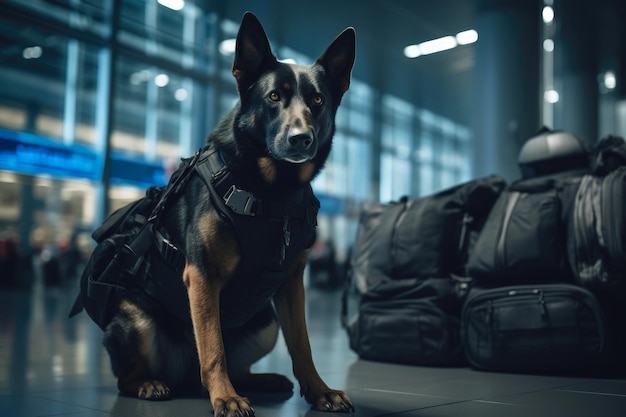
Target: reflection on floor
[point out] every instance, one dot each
(51, 365)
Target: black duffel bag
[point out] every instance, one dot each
(424, 237)
(524, 236)
(410, 322)
(530, 328)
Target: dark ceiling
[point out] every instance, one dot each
(383, 29)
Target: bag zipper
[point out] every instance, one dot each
(464, 235)
(393, 253)
(500, 259)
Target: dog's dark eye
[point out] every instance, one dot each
(274, 96)
(318, 100)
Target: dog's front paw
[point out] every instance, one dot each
(232, 407)
(332, 400)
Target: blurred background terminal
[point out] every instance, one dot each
(99, 99)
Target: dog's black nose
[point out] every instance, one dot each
(301, 141)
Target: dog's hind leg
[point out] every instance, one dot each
(129, 339)
(246, 345)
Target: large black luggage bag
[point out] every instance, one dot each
(410, 322)
(597, 247)
(524, 236)
(403, 265)
(550, 327)
(421, 238)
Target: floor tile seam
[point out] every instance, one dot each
(396, 413)
(572, 385)
(479, 400)
(383, 387)
(446, 405)
(485, 399)
(551, 389)
(606, 394)
(382, 391)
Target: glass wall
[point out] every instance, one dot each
(422, 153)
(165, 131)
(74, 92)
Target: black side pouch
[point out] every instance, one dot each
(552, 327)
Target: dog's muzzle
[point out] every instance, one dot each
(299, 146)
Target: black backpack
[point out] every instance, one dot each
(133, 254)
(597, 227)
(421, 238)
(523, 239)
(543, 235)
(404, 262)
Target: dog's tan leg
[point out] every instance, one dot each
(204, 296)
(289, 301)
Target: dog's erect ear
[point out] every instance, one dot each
(338, 60)
(252, 53)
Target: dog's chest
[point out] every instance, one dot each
(270, 235)
(268, 248)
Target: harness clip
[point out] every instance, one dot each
(240, 201)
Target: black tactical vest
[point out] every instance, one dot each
(270, 234)
(134, 252)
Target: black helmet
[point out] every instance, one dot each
(552, 152)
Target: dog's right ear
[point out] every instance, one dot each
(253, 54)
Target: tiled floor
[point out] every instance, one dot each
(54, 366)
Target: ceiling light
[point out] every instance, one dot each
(466, 37)
(181, 94)
(172, 4)
(551, 96)
(162, 80)
(412, 51)
(610, 82)
(32, 52)
(548, 45)
(441, 44)
(430, 47)
(547, 14)
(227, 46)
(437, 45)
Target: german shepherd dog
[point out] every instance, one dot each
(274, 142)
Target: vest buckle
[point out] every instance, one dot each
(240, 201)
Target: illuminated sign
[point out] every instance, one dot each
(30, 154)
(127, 170)
(36, 155)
